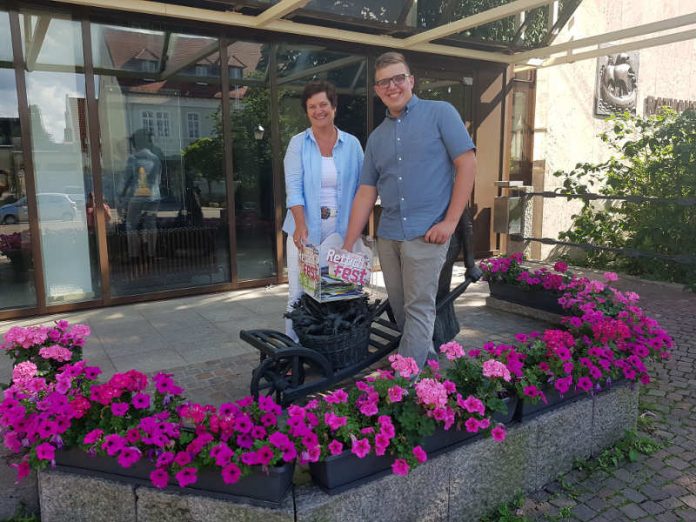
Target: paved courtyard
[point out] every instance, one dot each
(197, 339)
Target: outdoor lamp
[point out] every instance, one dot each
(258, 132)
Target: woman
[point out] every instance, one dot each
(322, 170)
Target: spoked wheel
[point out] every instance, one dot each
(285, 371)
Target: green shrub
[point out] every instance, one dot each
(654, 157)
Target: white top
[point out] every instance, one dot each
(329, 182)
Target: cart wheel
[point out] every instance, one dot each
(275, 375)
(284, 371)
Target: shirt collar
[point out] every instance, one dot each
(411, 103)
(309, 134)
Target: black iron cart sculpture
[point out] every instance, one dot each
(290, 372)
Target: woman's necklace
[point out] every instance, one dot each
(326, 144)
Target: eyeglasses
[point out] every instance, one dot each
(398, 80)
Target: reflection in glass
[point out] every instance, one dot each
(48, 40)
(60, 151)
(376, 11)
(162, 158)
(5, 41)
(16, 261)
(251, 157)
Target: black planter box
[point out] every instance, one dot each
(338, 473)
(258, 488)
(508, 415)
(444, 440)
(540, 299)
(528, 409)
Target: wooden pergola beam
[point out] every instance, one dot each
(623, 47)
(621, 34)
(278, 11)
(285, 26)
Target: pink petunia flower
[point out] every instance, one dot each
(141, 401)
(420, 454)
(129, 456)
(119, 409)
(186, 477)
(360, 448)
(400, 467)
(498, 433)
(231, 474)
(93, 436)
(472, 425)
(45, 451)
(159, 478)
(335, 447)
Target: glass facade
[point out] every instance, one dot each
(55, 89)
(17, 288)
(152, 158)
(159, 103)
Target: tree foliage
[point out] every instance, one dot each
(654, 157)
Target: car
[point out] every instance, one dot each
(53, 206)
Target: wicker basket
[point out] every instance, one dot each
(341, 349)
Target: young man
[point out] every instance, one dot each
(421, 162)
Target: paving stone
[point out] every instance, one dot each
(633, 511)
(652, 507)
(689, 500)
(633, 495)
(584, 512)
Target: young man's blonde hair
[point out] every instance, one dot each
(390, 58)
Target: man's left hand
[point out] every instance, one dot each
(440, 232)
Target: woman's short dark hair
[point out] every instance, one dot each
(316, 87)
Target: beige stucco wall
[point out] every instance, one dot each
(566, 128)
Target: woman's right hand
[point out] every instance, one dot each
(300, 235)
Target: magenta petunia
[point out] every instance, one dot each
(498, 433)
(335, 447)
(182, 458)
(129, 456)
(472, 425)
(231, 474)
(420, 454)
(119, 409)
(400, 467)
(186, 477)
(141, 401)
(45, 451)
(159, 478)
(360, 448)
(93, 436)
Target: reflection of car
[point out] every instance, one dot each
(9, 214)
(52, 207)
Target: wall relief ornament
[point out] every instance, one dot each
(617, 83)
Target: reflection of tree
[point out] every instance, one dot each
(251, 157)
(433, 13)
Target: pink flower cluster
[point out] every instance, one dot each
(495, 369)
(47, 347)
(452, 350)
(405, 366)
(508, 269)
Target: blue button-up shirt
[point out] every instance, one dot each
(303, 180)
(409, 158)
